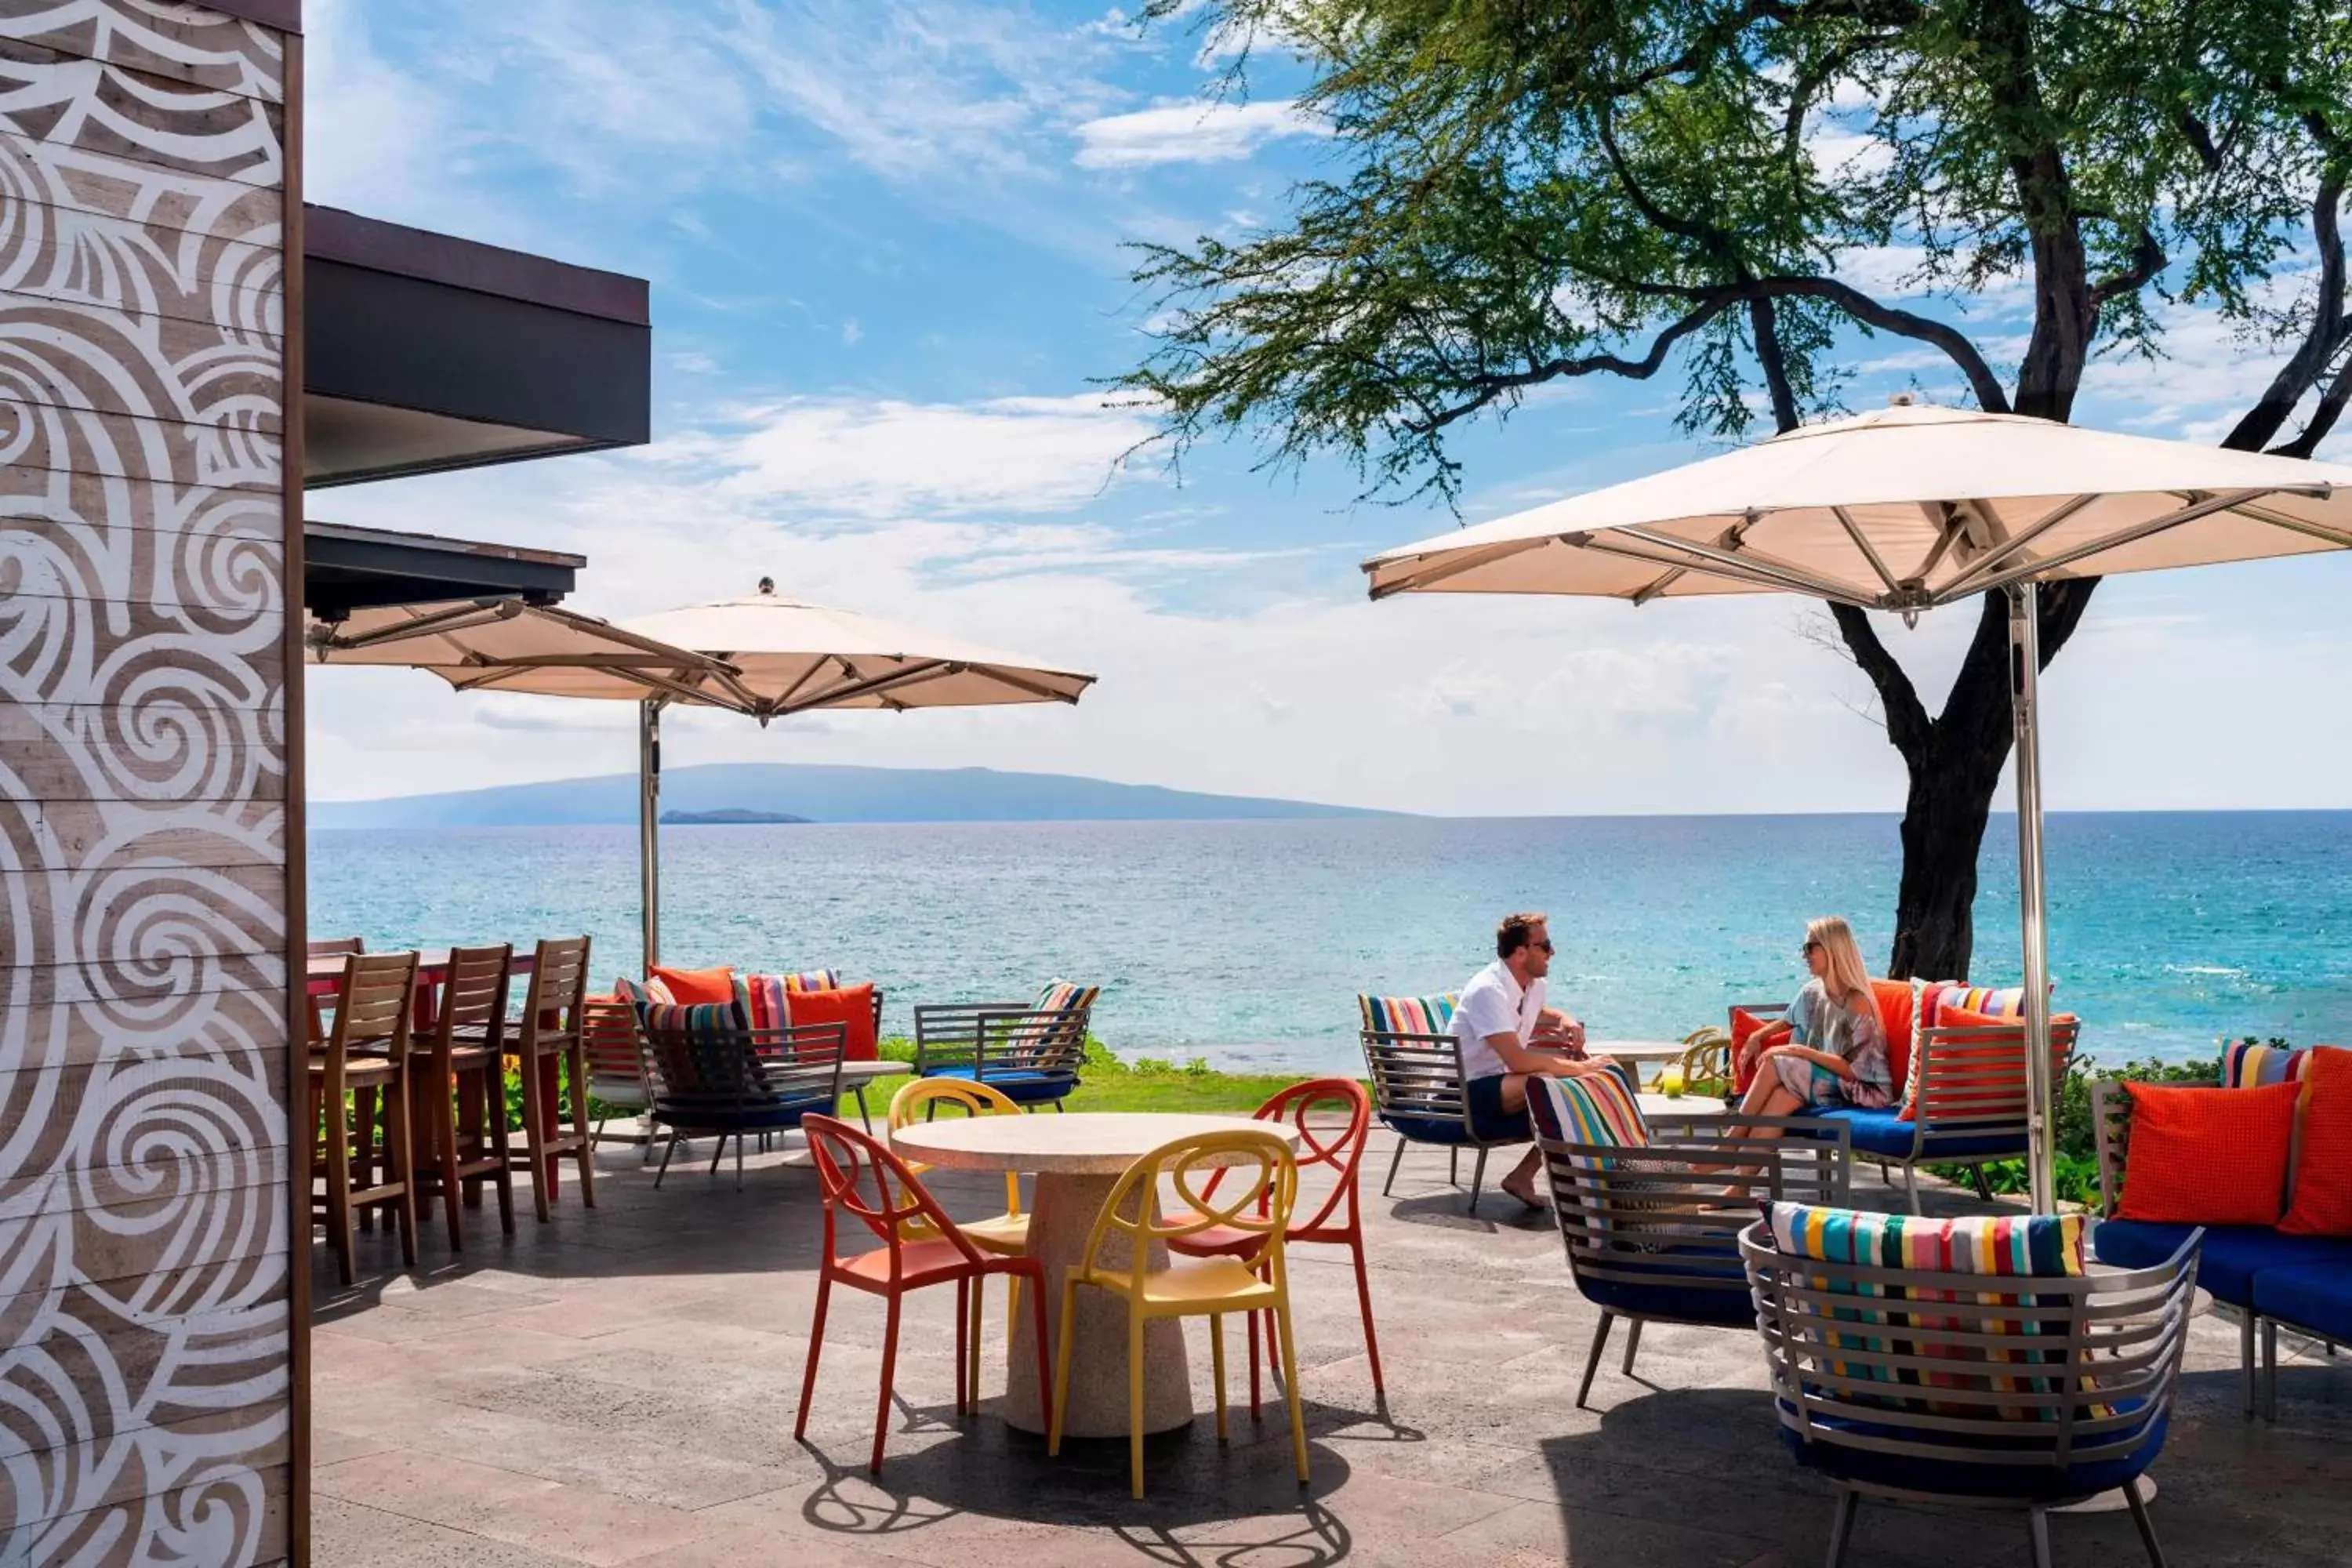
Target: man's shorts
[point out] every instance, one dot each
(1489, 1123)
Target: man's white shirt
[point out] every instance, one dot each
(1494, 1002)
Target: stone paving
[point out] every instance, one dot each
(619, 1386)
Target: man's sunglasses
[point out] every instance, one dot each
(1544, 946)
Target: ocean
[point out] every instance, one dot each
(1245, 942)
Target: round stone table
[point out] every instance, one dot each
(1078, 1159)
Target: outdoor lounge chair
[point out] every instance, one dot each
(710, 1076)
(2263, 1275)
(1417, 1093)
(2008, 1387)
(609, 1033)
(1652, 1226)
(1028, 1052)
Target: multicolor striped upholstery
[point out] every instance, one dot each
(637, 993)
(761, 997)
(1408, 1014)
(2249, 1065)
(814, 980)
(1930, 1001)
(1996, 1246)
(1593, 1109)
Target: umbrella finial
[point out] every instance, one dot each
(767, 584)
(1901, 400)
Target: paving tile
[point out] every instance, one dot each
(582, 1524)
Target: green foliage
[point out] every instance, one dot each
(1524, 193)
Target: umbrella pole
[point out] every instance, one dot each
(2025, 668)
(649, 824)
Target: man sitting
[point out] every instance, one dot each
(1508, 1036)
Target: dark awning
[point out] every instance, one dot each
(425, 352)
(346, 569)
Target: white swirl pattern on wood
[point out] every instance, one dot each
(143, 1134)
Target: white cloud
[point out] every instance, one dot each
(864, 458)
(1190, 132)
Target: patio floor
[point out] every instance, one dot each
(619, 1386)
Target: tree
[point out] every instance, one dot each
(1541, 190)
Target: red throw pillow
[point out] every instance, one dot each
(2201, 1157)
(1745, 1026)
(695, 988)
(1894, 997)
(2322, 1205)
(851, 1005)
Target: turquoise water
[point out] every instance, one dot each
(1245, 942)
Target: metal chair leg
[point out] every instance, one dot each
(2246, 1356)
(1454, 1166)
(1633, 1342)
(1842, 1525)
(1984, 1188)
(863, 1114)
(738, 1162)
(1394, 1161)
(668, 1150)
(1477, 1176)
(2147, 1528)
(2270, 1369)
(1593, 1359)
(2037, 1536)
(1911, 1186)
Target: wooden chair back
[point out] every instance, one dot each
(474, 994)
(1971, 1369)
(374, 1006)
(336, 947)
(552, 1002)
(1258, 1200)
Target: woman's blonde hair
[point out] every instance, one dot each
(1848, 981)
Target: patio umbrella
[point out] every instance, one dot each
(771, 656)
(1906, 509)
(505, 644)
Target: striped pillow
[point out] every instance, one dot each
(814, 980)
(1595, 1109)
(2249, 1065)
(1930, 999)
(639, 992)
(761, 998)
(1998, 1246)
(1060, 998)
(1408, 1014)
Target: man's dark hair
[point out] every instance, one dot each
(1515, 931)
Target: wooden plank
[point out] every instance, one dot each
(146, 128)
(221, 573)
(224, 1242)
(237, 831)
(202, 1032)
(252, 213)
(124, 445)
(97, 358)
(234, 1356)
(56, 915)
(123, 1173)
(62, 254)
(170, 676)
(245, 1505)
(191, 50)
(199, 959)
(235, 760)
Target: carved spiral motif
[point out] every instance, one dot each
(143, 1133)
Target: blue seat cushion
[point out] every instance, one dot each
(2233, 1256)
(1724, 1309)
(1886, 1132)
(1443, 1130)
(2027, 1481)
(759, 1119)
(2315, 1295)
(1020, 1085)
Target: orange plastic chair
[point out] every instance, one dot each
(864, 1179)
(1339, 1222)
(1259, 1203)
(1007, 1233)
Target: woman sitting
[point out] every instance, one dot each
(1830, 1051)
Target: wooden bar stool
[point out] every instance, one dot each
(457, 1088)
(366, 1054)
(329, 947)
(549, 1037)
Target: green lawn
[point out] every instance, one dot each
(1108, 1083)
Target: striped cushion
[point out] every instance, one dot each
(761, 998)
(2249, 1065)
(1029, 1042)
(1929, 1001)
(699, 1019)
(1066, 995)
(1408, 1014)
(814, 980)
(1595, 1109)
(1998, 1246)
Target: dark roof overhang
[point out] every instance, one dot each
(425, 352)
(346, 569)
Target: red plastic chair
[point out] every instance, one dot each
(861, 1176)
(1339, 1222)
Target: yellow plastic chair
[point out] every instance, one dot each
(1005, 1234)
(1259, 1202)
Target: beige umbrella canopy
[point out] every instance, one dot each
(1906, 508)
(506, 645)
(792, 658)
(1902, 509)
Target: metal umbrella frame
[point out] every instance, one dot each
(1904, 509)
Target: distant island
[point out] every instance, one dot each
(807, 791)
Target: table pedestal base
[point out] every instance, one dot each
(1064, 1212)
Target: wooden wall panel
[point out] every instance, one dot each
(147, 1331)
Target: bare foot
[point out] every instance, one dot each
(1525, 1192)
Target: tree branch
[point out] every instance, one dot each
(1907, 725)
(1774, 364)
(1495, 384)
(2323, 417)
(2320, 344)
(2147, 260)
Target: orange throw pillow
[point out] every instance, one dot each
(1894, 997)
(1745, 1026)
(2202, 1157)
(695, 987)
(852, 1006)
(2323, 1164)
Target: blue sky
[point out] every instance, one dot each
(884, 243)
